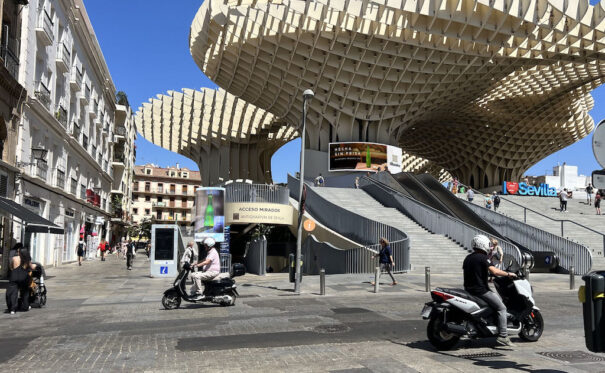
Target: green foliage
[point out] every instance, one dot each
(262, 230)
(122, 98)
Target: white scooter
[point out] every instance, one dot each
(454, 313)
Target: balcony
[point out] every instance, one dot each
(40, 169)
(42, 93)
(85, 96)
(159, 204)
(61, 115)
(93, 151)
(120, 131)
(94, 107)
(60, 179)
(11, 61)
(75, 80)
(118, 158)
(63, 57)
(75, 130)
(44, 29)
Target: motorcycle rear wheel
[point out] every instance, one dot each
(532, 327)
(440, 338)
(171, 300)
(232, 302)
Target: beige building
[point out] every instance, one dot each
(164, 195)
(482, 88)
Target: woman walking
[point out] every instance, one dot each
(386, 258)
(597, 202)
(17, 293)
(102, 248)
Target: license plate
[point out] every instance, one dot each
(426, 312)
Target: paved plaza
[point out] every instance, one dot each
(102, 318)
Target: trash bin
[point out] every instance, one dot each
(592, 296)
(291, 260)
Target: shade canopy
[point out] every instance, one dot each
(33, 222)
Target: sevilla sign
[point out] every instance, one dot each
(523, 189)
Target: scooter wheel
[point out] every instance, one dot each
(171, 300)
(532, 327)
(42, 300)
(440, 338)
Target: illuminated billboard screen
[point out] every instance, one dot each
(364, 156)
(210, 214)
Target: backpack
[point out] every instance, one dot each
(80, 246)
(496, 200)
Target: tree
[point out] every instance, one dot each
(144, 230)
(122, 98)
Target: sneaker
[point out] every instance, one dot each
(394, 283)
(12, 312)
(504, 341)
(129, 268)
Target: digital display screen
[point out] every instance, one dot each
(164, 244)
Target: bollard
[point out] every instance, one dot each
(322, 282)
(376, 279)
(427, 279)
(572, 278)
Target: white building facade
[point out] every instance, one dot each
(70, 113)
(565, 176)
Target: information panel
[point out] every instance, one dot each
(210, 214)
(165, 242)
(364, 156)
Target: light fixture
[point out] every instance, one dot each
(37, 155)
(97, 189)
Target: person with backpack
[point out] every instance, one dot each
(130, 254)
(81, 250)
(589, 190)
(496, 201)
(597, 201)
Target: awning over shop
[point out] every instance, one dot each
(34, 223)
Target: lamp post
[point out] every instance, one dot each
(307, 95)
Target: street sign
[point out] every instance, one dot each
(164, 270)
(309, 225)
(598, 143)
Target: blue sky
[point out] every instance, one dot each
(145, 43)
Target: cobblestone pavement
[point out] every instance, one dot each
(103, 318)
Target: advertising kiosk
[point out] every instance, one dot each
(165, 244)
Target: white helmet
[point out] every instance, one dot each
(209, 242)
(480, 242)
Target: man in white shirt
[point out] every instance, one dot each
(190, 255)
(563, 198)
(211, 267)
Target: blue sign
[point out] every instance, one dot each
(164, 270)
(547, 260)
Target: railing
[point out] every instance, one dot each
(82, 192)
(570, 253)
(93, 151)
(60, 179)
(73, 189)
(75, 130)
(77, 76)
(11, 61)
(120, 131)
(85, 142)
(42, 93)
(61, 115)
(431, 219)
(63, 54)
(355, 228)
(159, 204)
(46, 24)
(242, 192)
(119, 158)
(100, 158)
(40, 169)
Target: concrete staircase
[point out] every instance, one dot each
(426, 249)
(577, 210)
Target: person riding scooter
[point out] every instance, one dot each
(211, 267)
(476, 267)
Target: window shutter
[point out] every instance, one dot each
(3, 185)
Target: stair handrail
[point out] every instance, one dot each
(462, 236)
(525, 209)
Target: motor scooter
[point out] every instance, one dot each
(220, 290)
(454, 313)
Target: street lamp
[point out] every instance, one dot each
(38, 154)
(307, 95)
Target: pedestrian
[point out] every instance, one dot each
(386, 258)
(102, 248)
(589, 194)
(81, 250)
(597, 202)
(319, 181)
(190, 255)
(496, 255)
(124, 247)
(488, 202)
(563, 197)
(449, 185)
(130, 254)
(496, 202)
(455, 186)
(18, 291)
(470, 195)
(357, 182)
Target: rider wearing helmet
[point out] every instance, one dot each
(476, 267)
(211, 266)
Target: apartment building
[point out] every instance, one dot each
(71, 155)
(164, 195)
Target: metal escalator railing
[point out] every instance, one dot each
(436, 221)
(355, 228)
(570, 253)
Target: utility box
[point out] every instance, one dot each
(592, 297)
(165, 244)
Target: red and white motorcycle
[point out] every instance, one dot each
(454, 313)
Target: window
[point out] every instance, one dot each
(147, 171)
(147, 198)
(160, 199)
(135, 211)
(172, 174)
(186, 175)
(147, 211)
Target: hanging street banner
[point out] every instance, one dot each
(259, 213)
(209, 214)
(364, 156)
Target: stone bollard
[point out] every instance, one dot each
(322, 282)
(376, 279)
(572, 278)
(427, 279)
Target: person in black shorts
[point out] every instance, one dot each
(81, 250)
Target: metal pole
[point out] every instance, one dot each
(561, 228)
(376, 279)
(572, 278)
(427, 279)
(322, 282)
(300, 192)
(524, 215)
